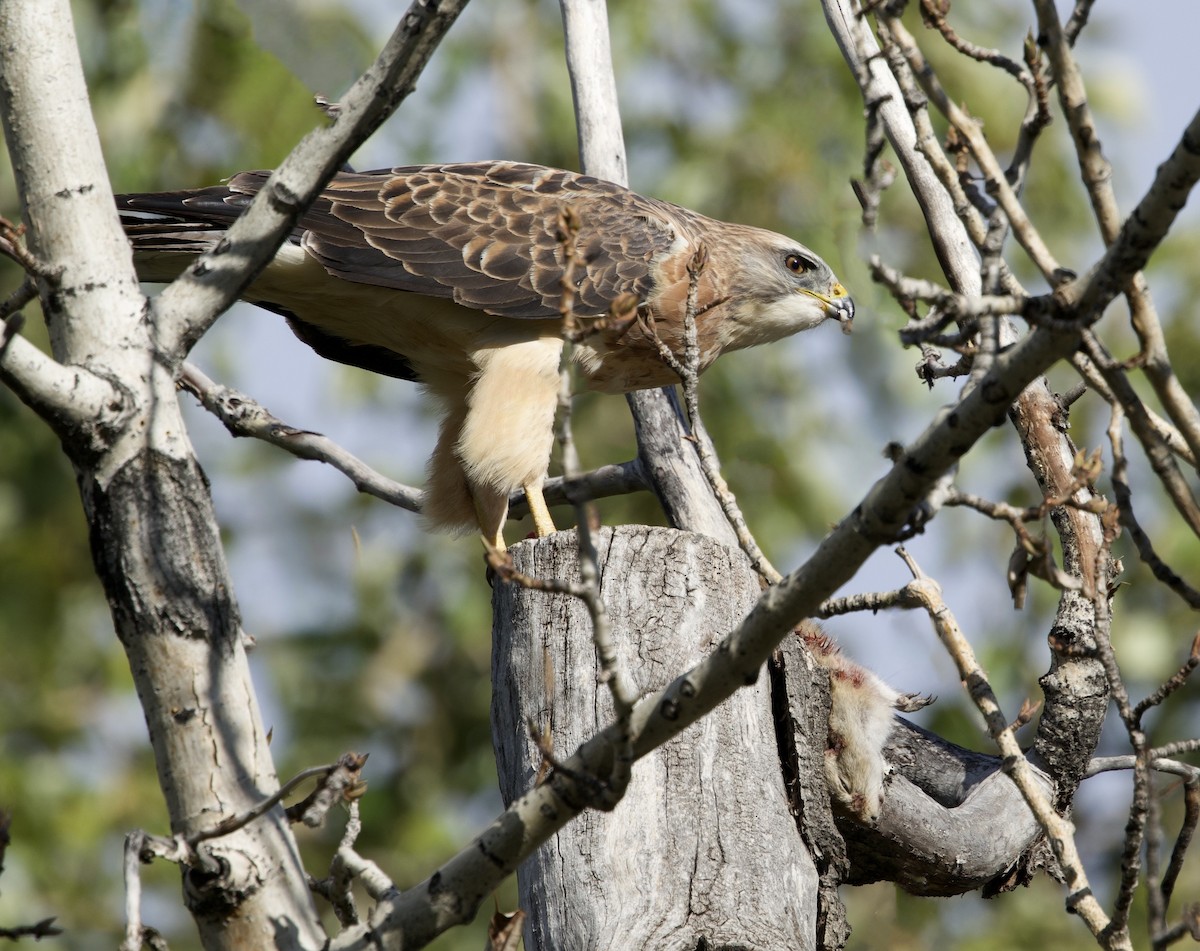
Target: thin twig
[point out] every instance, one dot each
(878, 172)
(1156, 905)
(1129, 521)
(1172, 683)
(338, 889)
(930, 367)
(1161, 459)
(948, 304)
(141, 848)
(352, 762)
(688, 370)
(1078, 20)
(342, 784)
(46, 928)
(1176, 749)
(872, 601)
(1191, 817)
(934, 12)
(1093, 379)
(12, 246)
(373, 879)
(1136, 823)
(1160, 764)
(133, 891)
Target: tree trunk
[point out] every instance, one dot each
(703, 851)
(155, 541)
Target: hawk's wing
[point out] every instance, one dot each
(484, 235)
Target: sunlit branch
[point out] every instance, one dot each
(892, 30)
(243, 416)
(1097, 177)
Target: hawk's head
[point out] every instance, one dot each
(781, 288)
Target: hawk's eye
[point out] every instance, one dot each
(797, 263)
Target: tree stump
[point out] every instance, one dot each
(703, 851)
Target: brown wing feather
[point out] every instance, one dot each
(484, 235)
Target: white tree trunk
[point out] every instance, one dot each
(154, 538)
(703, 848)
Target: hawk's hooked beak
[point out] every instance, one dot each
(838, 305)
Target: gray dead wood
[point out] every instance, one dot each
(703, 850)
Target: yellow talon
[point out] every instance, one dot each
(543, 524)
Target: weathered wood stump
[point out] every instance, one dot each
(703, 851)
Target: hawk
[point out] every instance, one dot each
(451, 276)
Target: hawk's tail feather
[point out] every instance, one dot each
(168, 228)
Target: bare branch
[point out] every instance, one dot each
(12, 245)
(1191, 818)
(188, 307)
(26, 291)
(342, 776)
(883, 96)
(1058, 830)
(1176, 748)
(1135, 826)
(1098, 180)
(41, 929)
(1078, 20)
(891, 29)
(619, 478)
(243, 416)
(947, 302)
(46, 928)
(689, 378)
(1162, 764)
(869, 601)
(933, 13)
(133, 892)
(1129, 521)
(141, 848)
(1173, 683)
(338, 889)
(67, 397)
(878, 172)
(341, 782)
